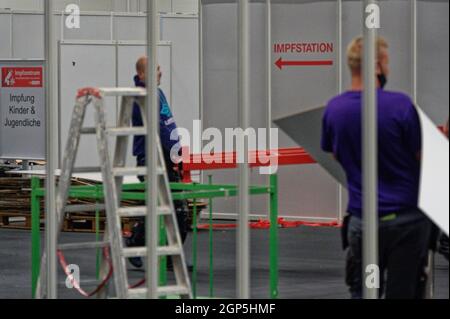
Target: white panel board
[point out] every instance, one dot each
(305, 191)
(182, 32)
(434, 184)
(433, 62)
(22, 110)
(130, 28)
(5, 36)
(28, 36)
(85, 66)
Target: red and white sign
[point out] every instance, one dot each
(22, 77)
(306, 50)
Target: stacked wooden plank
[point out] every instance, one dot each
(15, 207)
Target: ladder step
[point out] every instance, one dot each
(88, 130)
(126, 131)
(82, 170)
(80, 246)
(141, 211)
(162, 291)
(133, 171)
(142, 251)
(84, 208)
(135, 92)
(83, 283)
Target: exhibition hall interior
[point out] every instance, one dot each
(224, 149)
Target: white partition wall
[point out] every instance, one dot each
(308, 191)
(433, 58)
(101, 38)
(305, 191)
(114, 65)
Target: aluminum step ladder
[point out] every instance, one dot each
(113, 172)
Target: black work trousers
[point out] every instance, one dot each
(403, 249)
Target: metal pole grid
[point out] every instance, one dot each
(152, 115)
(370, 155)
(50, 149)
(243, 234)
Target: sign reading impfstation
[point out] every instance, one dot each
(22, 110)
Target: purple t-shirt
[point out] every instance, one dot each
(399, 142)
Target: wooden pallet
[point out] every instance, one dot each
(12, 220)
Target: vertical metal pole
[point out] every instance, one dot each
(35, 235)
(339, 44)
(414, 49)
(194, 250)
(339, 89)
(11, 34)
(51, 156)
(269, 86)
(269, 69)
(200, 57)
(151, 149)
(429, 289)
(274, 241)
(211, 244)
(243, 234)
(370, 152)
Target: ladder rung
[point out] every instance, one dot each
(87, 282)
(142, 251)
(123, 92)
(88, 130)
(141, 211)
(84, 208)
(162, 291)
(173, 290)
(126, 131)
(80, 246)
(133, 171)
(81, 170)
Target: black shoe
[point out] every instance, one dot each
(135, 261)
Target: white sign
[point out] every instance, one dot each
(22, 110)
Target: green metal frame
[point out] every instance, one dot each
(180, 191)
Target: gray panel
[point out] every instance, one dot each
(130, 28)
(91, 28)
(306, 191)
(396, 26)
(220, 86)
(5, 47)
(77, 65)
(183, 35)
(433, 59)
(28, 35)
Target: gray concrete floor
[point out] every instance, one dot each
(311, 264)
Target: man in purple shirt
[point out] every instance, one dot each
(403, 228)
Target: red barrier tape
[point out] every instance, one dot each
(76, 284)
(265, 224)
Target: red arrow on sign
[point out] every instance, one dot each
(280, 63)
